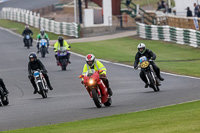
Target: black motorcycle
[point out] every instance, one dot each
(149, 72)
(63, 60)
(3, 98)
(28, 41)
(43, 47)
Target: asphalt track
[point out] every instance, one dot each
(69, 100)
(27, 4)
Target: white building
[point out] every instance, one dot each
(181, 5)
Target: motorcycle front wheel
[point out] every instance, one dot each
(96, 98)
(152, 83)
(42, 91)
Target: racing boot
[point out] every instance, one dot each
(146, 85)
(110, 91)
(6, 92)
(50, 87)
(35, 90)
(161, 78)
(47, 50)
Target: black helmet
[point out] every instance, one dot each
(60, 40)
(32, 55)
(42, 32)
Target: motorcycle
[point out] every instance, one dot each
(3, 98)
(43, 47)
(62, 57)
(41, 83)
(150, 74)
(96, 88)
(28, 41)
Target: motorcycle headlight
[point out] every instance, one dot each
(91, 81)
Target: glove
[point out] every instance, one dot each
(103, 75)
(29, 76)
(44, 71)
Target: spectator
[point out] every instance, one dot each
(198, 14)
(189, 12)
(128, 3)
(162, 3)
(196, 9)
(159, 6)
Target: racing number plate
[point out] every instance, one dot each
(144, 64)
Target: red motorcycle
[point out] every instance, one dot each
(96, 88)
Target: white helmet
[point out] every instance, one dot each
(27, 26)
(141, 48)
(90, 58)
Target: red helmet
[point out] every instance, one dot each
(90, 59)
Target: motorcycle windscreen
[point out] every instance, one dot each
(27, 36)
(43, 42)
(90, 72)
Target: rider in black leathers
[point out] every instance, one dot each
(35, 64)
(27, 31)
(142, 51)
(3, 86)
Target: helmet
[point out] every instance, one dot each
(60, 40)
(90, 59)
(32, 55)
(42, 32)
(27, 26)
(141, 48)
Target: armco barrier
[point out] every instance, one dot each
(33, 19)
(170, 34)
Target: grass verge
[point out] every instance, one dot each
(19, 28)
(171, 57)
(182, 118)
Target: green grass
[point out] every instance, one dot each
(19, 28)
(182, 118)
(174, 58)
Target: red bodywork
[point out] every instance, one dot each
(97, 84)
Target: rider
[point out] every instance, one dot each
(27, 31)
(3, 86)
(40, 36)
(92, 63)
(35, 64)
(143, 51)
(61, 43)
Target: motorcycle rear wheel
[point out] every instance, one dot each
(96, 98)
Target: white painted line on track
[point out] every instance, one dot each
(119, 64)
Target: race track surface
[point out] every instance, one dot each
(27, 4)
(69, 101)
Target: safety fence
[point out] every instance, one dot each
(34, 19)
(170, 34)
